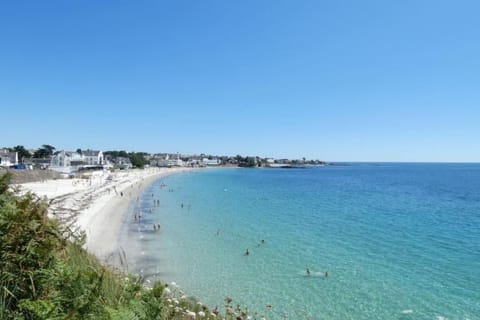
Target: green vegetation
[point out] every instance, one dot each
(22, 152)
(45, 151)
(136, 158)
(115, 154)
(46, 274)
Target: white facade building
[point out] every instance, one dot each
(68, 161)
(93, 158)
(8, 158)
(211, 162)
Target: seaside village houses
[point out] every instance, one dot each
(68, 162)
(175, 160)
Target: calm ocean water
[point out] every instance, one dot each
(399, 241)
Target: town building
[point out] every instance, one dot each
(92, 157)
(8, 158)
(69, 161)
(211, 162)
(123, 163)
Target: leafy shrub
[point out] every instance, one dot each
(45, 276)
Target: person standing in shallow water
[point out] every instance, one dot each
(308, 271)
(247, 252)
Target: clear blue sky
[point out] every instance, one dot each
(334, 80)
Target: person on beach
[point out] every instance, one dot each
(308, 272)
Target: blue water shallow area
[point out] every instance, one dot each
(399, 241)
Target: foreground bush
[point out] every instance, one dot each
(45, 276)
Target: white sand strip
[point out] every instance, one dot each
(98, 205)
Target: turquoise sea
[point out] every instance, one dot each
(399, 241)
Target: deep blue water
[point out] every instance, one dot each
(399, 241)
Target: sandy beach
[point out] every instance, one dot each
(97, 205)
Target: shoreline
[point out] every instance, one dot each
(98, 205)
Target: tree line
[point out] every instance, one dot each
(44, 152)
(136, 158)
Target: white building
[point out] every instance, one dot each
(170, 162)
(93, 158)
(68, 161)
(211, 162)
(123, 163)
(8, 158)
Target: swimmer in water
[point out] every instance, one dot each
(326, 274)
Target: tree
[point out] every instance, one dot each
(115, 154)
(137, 159)
(44, 152)
(22, 152)
(41, 153)
(49, 148)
